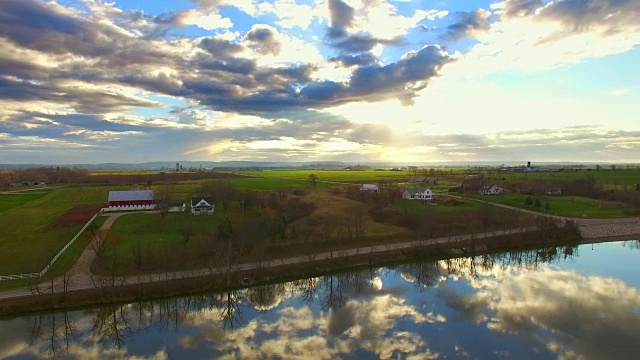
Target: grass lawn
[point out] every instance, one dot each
(10, 201)
(155, 238)
(31, 234)
(570, 206)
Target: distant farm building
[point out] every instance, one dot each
(176, 207)
(202, 205)
(420, 193)
(27, 182)
(425, 180)
(370, 188)
(493, 189)
(131, 200)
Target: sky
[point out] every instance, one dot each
(396, 81)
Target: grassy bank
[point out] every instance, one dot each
(165, 287)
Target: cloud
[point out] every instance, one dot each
(567, 306)
(220, 47)
(208, 20)
(341, 17)
(355, 60)
(467, 24)
(263, 40)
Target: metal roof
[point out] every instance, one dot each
(195, 200)
(131, 195)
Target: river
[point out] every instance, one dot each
(578, 302)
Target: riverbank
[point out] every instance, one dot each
(121, 290)
(609, 229)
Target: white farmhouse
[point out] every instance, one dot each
(419, 193)
(202, 205)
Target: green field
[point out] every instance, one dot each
(10, 201)
(28, 241)
(332, 175)
(155, 237)
(570, 206)
(606, 178)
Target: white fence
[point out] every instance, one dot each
(46, 268)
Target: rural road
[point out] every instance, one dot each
(81, 270)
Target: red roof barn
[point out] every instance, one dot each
(131, 198)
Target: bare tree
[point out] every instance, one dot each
(222, 192)
(98, 243)
(164, 196)
(185, 230)
(66, 280)
(313, 178)
(230, 311)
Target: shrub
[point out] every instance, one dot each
(538, 203)
(528, 201)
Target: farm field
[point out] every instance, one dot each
(570, 206)
(606, 178)
(35, 231)
(12, 200)
(333, 175)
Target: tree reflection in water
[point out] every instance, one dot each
(344, 299)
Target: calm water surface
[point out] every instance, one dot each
(560, 303)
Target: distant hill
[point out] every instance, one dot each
(267, 165)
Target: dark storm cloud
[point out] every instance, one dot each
(263, 40)
(355, 60)
(341, 15)
(468, 23)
